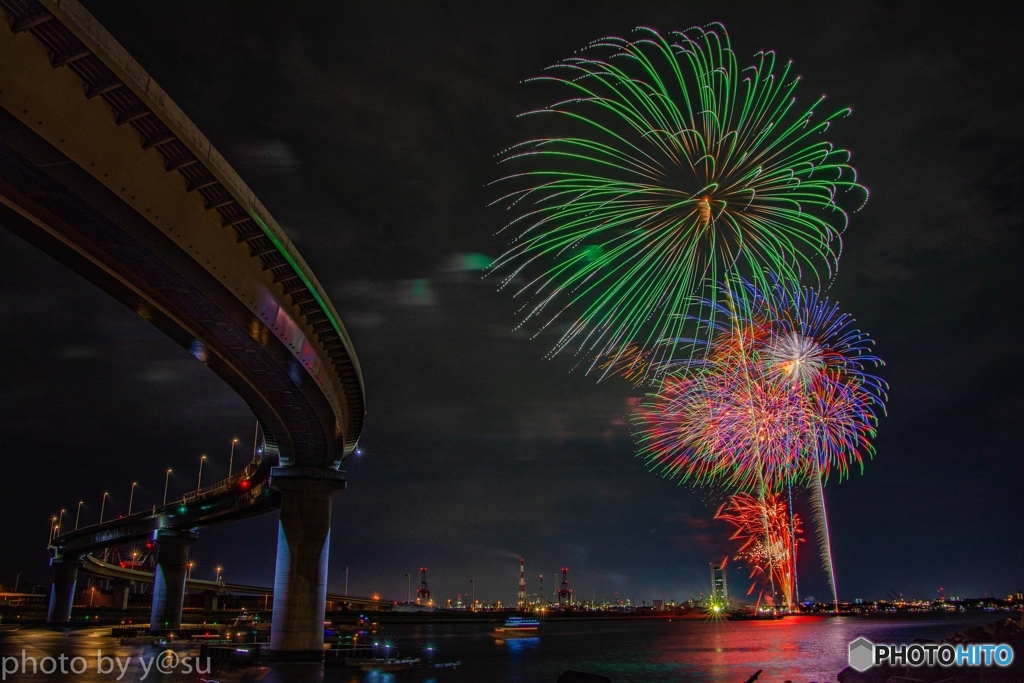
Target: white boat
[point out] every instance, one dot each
(518, 627)
(448, 665)
(388, 664)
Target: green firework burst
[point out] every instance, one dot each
(672, 169)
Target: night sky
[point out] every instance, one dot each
(370, 132)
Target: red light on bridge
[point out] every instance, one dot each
(244, 484)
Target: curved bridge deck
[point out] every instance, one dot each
(99, 168)
(246, 494)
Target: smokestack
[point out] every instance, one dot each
(522, 584)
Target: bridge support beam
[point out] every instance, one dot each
(62, 593)
(303, 541)
(209, 601)
(169, 580)
(119, 592)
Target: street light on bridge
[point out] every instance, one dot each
(131, 498)
(60, 521)
(103, 506)
(166, 479)
(78, 514)
(199, 484)
(218, 574)
(231, 460)
(256, 440)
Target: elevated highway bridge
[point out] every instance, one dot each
(100, 169)
(243, 495)
(125, 577)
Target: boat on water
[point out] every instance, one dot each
(246, 620)
(518, 627)
(756, 615)
(137, 640)
(388, 664)
(448, 665)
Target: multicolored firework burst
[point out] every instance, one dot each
(769, 536)
(672, 168)
(664, 220)
(781, 397)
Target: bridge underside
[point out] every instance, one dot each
(101, 170)
(57, 206)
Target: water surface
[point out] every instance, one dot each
(800, 649)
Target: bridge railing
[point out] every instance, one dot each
(221, 486)
(224, 484)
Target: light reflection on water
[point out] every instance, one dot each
(800, 649)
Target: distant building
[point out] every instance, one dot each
(411, 607)
(719, 584)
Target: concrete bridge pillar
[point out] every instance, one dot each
(62, 592)
(169, 580)
(210, 601)
(120, 589)
(303, 541)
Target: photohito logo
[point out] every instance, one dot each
(864, 654)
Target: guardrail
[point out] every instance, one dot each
(224, 484)
(216, 488)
